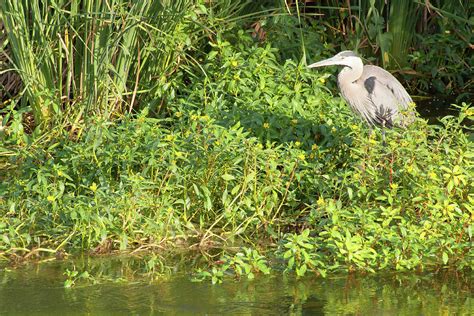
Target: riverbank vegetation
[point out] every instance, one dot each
(196, 124)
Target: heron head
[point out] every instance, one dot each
(344, 58)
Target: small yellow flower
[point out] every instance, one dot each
(470, 112)
(266, 125)
(93, 187)
(179, 154)
(234, 63)
(169, 138)
(302, 157)
(297, 144)
(322, 80)
(394, 186)
(178, 114)
(450, 207)
(259, 146)
(432, 175)
(50, 198)
(314, 147)
(320, 202)
(60, 173)
(311, 156)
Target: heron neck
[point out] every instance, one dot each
(351, 73)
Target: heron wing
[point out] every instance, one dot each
(386, 94)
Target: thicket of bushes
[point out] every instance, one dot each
(226, 144)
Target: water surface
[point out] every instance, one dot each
(39, 289)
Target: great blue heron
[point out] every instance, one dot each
(372, 92)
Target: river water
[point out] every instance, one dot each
(115, 289)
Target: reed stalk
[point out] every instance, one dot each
(90, 56)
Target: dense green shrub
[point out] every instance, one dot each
(251, 152)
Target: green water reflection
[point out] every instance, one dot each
(38, 289)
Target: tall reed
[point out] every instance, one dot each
(403, 17)
(90, 56)
(384, 27)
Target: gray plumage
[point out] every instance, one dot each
(372, 92)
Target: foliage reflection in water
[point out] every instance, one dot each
(112, 285)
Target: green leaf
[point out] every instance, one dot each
(301, 270)
(224, 197)
(445, 258)
(305, 233)
(68, 284)
(235, 189)
(291, 262)
(450, 185)
(212, 55)
(227, 177)
(323, 272)
(350, 193)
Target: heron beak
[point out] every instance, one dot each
(327, 62)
